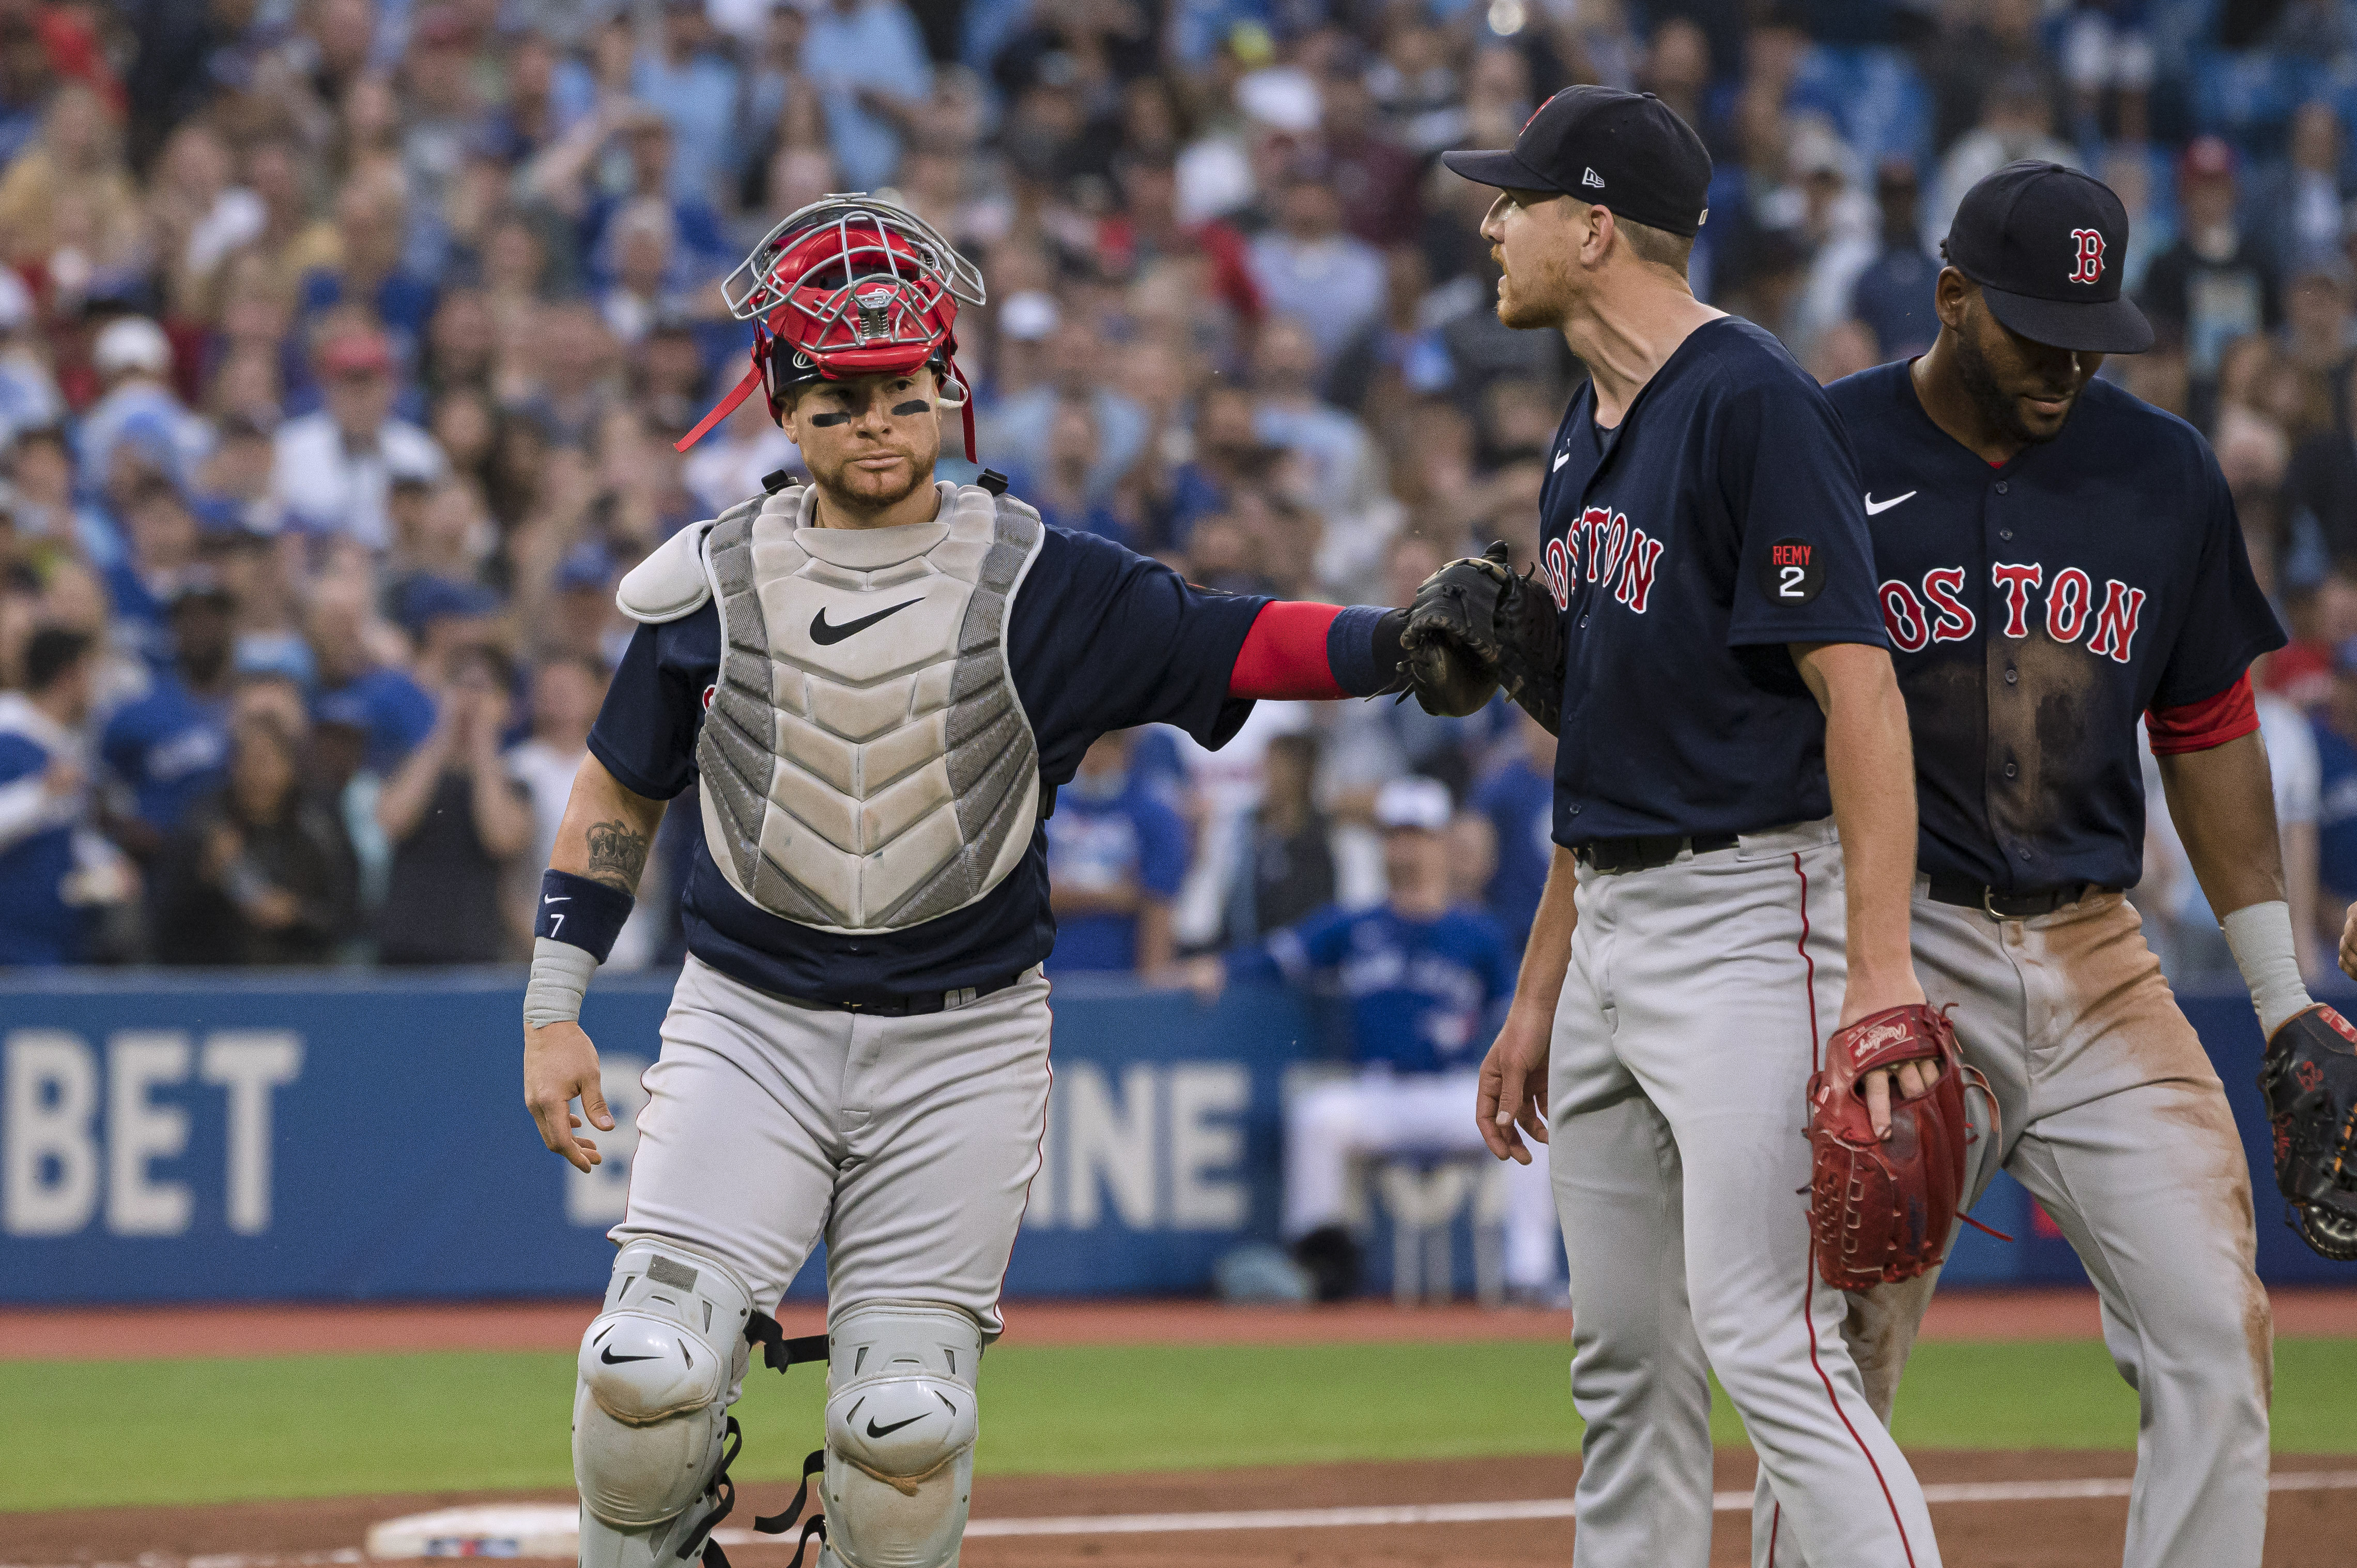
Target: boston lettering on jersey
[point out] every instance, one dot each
(1098, 639)
(1917, 618)
(2036, 610)
(1719, 523)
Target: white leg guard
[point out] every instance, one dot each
(901, 1425)
(657, 1371)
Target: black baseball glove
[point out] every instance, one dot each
(1476, 626)
(2309, 1077)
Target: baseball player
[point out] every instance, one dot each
(2058, 559)
(1734, 837)
(1424, 975)
(876, 683)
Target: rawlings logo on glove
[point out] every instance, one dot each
(1882, 1209)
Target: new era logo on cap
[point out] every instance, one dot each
(1591, 178)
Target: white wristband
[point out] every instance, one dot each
(560, 978)
(2260, 936)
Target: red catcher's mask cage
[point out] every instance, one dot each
(849, 286)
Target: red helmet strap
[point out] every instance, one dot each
(764, 345)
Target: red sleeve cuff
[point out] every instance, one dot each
(1284, 655)
(2199, 726)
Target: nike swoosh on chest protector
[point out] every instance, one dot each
(825, 635)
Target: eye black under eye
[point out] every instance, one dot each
(831, 418)
(913, 406)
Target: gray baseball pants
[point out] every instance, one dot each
(1696, 1003)
(2112, 1116)
(908, 1143)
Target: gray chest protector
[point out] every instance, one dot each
(866, 766)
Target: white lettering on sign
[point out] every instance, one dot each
(1165, 1143)
(249, 1064)
(600, 1196)
(140, 1131)
(1114, 1142)
(1205, 1097)
(54, 1145)
(49, 1185)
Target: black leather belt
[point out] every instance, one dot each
(1642, 852)
(1999, 906)
(915, 1007)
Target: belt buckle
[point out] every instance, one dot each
(1988, 907)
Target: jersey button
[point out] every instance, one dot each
(2004, 534)
(2010, 771)
(2012, 677)
(2001, 487)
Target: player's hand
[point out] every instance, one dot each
(1513, 1098)
(2349, 944)
(1864, 995)
(1206, 976)
(1904, 1081)
(560, 1065)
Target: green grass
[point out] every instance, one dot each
(97, 1432)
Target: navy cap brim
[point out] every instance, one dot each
(2109, 327)
(1500, 169)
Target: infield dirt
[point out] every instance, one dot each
(2307, 1529)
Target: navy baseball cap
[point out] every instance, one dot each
(2046, 243)
(1627, 151)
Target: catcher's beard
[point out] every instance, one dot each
(838, 476)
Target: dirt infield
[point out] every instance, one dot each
(99, 1333)
(2308, 1527)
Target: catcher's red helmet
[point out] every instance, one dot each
(848, 286)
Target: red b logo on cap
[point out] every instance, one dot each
(2091, 254)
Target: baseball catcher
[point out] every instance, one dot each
(874, 683)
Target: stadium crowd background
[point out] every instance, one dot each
(342, 345)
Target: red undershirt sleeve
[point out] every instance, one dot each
(1284, 655)
(2199, 726)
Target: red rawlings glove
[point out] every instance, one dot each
(1882, 1209)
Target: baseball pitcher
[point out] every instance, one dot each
(874, 683)
(1735, 832)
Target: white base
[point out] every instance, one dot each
(501, 1530)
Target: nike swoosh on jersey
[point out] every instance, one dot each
(1876, 509)
(566, 899)
(1560, 459)
(824, 634)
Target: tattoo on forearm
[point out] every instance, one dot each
(617, 854)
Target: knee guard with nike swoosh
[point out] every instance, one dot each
(656, 1374)
(900, 1427)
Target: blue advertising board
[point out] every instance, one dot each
(173, 1138)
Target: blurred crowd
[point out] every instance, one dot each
(343, 347)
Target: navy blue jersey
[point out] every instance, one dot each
(1425, 994)
(1099, 639)
(2037, 609)
(1687, 547)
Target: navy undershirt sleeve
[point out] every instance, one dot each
(1805, 562)
(2228, 621)
(645, 734)
(1104, 640)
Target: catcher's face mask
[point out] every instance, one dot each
(849, 286)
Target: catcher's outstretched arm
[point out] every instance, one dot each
(1306, 651)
